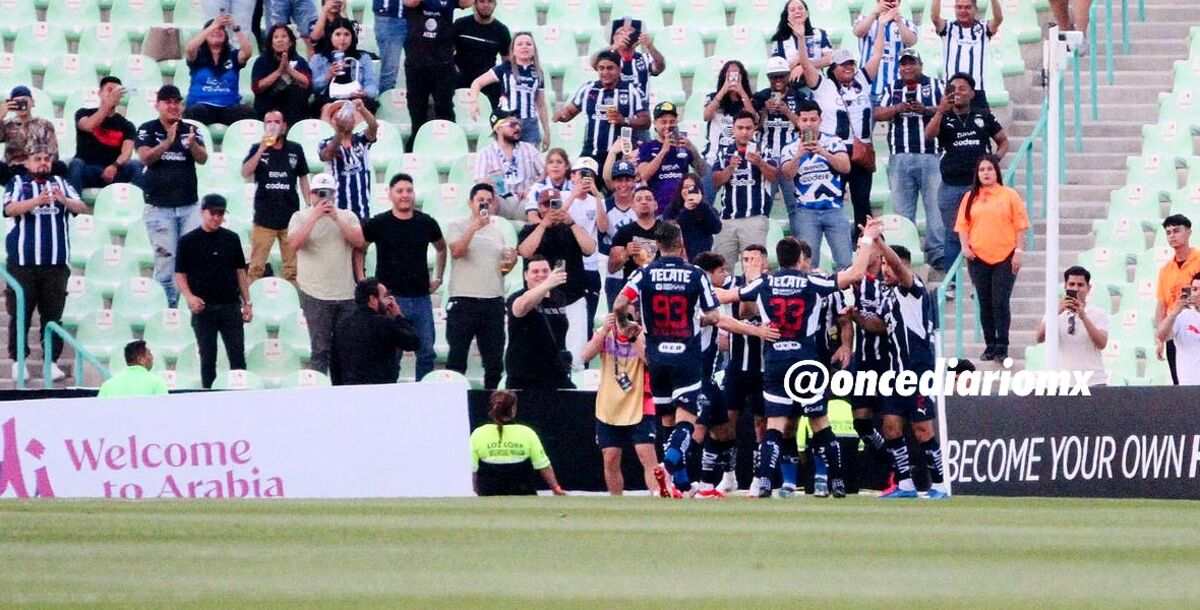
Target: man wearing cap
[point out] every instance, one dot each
(776, 106)
(348, 156)
(898, 32)
(324, 239)
(636, 66)
(104, 142)
(211, 274)
(169, 150)
(586, 206)
(663, 163)
(966, 41)
(509, 165)
(907, 107)
(276, 164)
(620, 211)
(23, 131)
(609, 104)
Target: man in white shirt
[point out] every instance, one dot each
(1182, 325)
(509, 165)
(585, 204)
(1082, 328)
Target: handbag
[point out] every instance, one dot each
(862, 154)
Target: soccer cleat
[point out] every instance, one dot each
(899, 493)
(786, 492)
(728, 483)
(838, 488)
(891, 486)
(763, 490)
(709, 494)
(664, 484)
(937, 494)
(821, 488)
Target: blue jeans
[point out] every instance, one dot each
(81, 175)
(832, 225)
(389, 35)
(531, 130)
(788, 190)
(242, 11)
(949, 198)
(420, 311)
(165, 226)
(912, 174)
(301, 12)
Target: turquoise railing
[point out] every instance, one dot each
(18, 293)
(81, 354)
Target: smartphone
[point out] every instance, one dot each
(1072, 294)
(556, 204)
(752, 147)
(733, 75)
(627, 133)
(22, 105)
(910, 96)
(484, 209)
(560, 264)
(809, 136)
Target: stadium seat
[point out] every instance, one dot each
(901, 231)
(104, 333)
(667, 87)
(188, 364)
(139, 299)
(462, 172)
(448, 206)
(393, 108)
(222, 172)
(1021, 20)
(1133, 201)
(389, 144)
(518, 15)
(650, 12)
(474, 128)
(272, 360)
(240, 136)
(578, 74)
(577, 16)
(444, 376)
(1169, 139)
(274, 300)
(75, 14)
(742, 43)
(557, 49)
(703, 17)
(1106, 265)
(441, 142)
(14, 70)
(568, 136)
(138, 73)
(682, 49)
(86, 237)
(137, 245)
(135, 17)
(1186, 201)
(16, 14)
(109, 266)
(238, 380)
(40, 42)
(1154, 172)
(762, 15)
(1178, 106)
(169, 332)
(188, 15)
(181, 380)
(423, 171)
(1151, 261)
(1120, 232)
(103, 42)
(293, 331)
(309, 133)
(834, 17)
(83, 300)
(305, 378)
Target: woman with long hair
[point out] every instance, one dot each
(344, 72)
(281, 77)
(732, 96)
(991, 228)
(522, 90)
(505, 455)
(557, 177)
(213, 95)
(697, 218)
(795, 32)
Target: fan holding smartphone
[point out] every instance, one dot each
(664, 162)
(1082, 327)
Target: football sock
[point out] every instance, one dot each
(872, 439)
(899, 450)
(710, 468)
(768, 455)
(829, 449)
(933, 460)
(676, 456)
(790, 463)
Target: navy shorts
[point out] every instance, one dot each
(744, 393)
(777, 402)
(712, 404)
(608, 435)
(866, 400)
(676, 383)
(915, 408)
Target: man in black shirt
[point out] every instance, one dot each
(103, 143)
(366, 343)
(965, 134)
(170, 151)
(211, 275)
(478, 39)
(429, 59)
(563, 243)
(275, 164)
(402, 236)
(537, 328)
(634, 244)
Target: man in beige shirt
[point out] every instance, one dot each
(324, 238)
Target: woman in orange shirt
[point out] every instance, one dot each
(991, 226)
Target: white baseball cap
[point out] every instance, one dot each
(585, 163)
(322, 182)
(777, 65)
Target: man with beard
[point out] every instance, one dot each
(365, 343)
(509, 165)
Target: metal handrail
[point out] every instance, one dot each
(81, 354)
(19, 293)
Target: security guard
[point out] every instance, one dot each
(505, 455)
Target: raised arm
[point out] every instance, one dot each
(993, 24)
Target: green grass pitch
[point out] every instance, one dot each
(598, 552)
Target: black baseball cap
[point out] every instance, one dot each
(909, 54)
(664, 108)
(169, 92)
(213, 202)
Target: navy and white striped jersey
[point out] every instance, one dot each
(636, 71)
(829, 335)
(671, 295)
(816, 44)
(39, 236)
(519, 86)
(818, 185)
(777, 131)
(709, 348)
(911, 317)
(617, 218)
(745, 351)
(906, 131)
(846, 111)
(592, 99)
(719, 132)
(871, 352)
(964, 50)
(791, 300)
(352, 169)
(747, 193)
(889, 67)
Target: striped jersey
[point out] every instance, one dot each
(745, 351)
(889, 67)
(519, 86)
(617, 218)
(671, 295)
(352, 169)
(39, 236)
(846, 111)
(592, 99)
(545, 184)
(791, 300)
(777, 131)
(871, 352)
(964, 50)
(719, 132)
(816, 44)
(906, 131)
(636, 71)
(829, 334)
(709, 347)
(911, 318)
(818, 185)
(747, 193)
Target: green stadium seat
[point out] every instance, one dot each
(40, 42)
(568, 136)
(1187, 75)
(86, 237)
(577, 16)
(140, 106)
(1120, 232)
(1153, 171)
(557, 49)
(462, 172)
(681, 48)
(393, 108)
(834, 17)
(901, 231)
(305, 378)
(1134, 202)
(135, 17)
(272, 360)
(188, 364)
(742, 43)
(238, 380)
(104, 333)
(309, 133)
(139, 299)
(389, 144)
(293, 331)
(1021, 20)
(703, 17)
(137, 245)
(578, 74)
(423, 171)
(441, 142)
(696, 132)
(169, 332)
(77, 13)
(17, 13)
(1178, 106)
(667, 87)
(14, 70)
(188, 14)
(65, 73)
(1035, 357)
(138, 73)
(518, 15)
(83, 299)
(181, 380)
(222, 172)
(444, 376)
(650, 12)
(1006, 51)
(474, 128)
(109, 266)
(448, 206)
(103, 42)
(1107, 265)
(762, 15)
(274, 300)
(1151, 261)
(1169, 139)
(1186, 201)
(240, 136)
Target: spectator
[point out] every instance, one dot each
(746, 180)
(561, 240)
(586, 206)
(275, 164)
(343, 72)
(966, 42)
(619, 211)
(347, 154)
(817, 165)
(636, 66)
(697, 219)
(558, 170)
(135, 379)
(476, 307)
(991, 226)
(1082, 328)
(429, 59)
(213, 95)
(211, 275)
(324, 239)
(1172, 278)
(897, 32)
(521, 90)
(796, 31)
(720, 107)
(509, 164)
(908, 104)
(479, 39)
(776, 106)
(390, 31)
(624, 406)
(103, 142)
(493, 469)
(38, 249)
(303, 13)
(281, 78)
(634, 244)
(367, 343)
(663, 163)
(1180, 328)
(23, 131)
(332, 12)
(402, 236)
(536, 356)
(965, 135)
(169, 155)
(1070, 17)
(609, 104)
(239, 12)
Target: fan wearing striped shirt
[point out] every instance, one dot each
(38, 247)
(898, 33)
(966, 42)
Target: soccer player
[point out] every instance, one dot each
(911, 318)
(872, 351)
(675, 299)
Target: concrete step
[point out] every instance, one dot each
(1121, 93)
(1124, 126)
(1147, 78)
(1091, 160)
